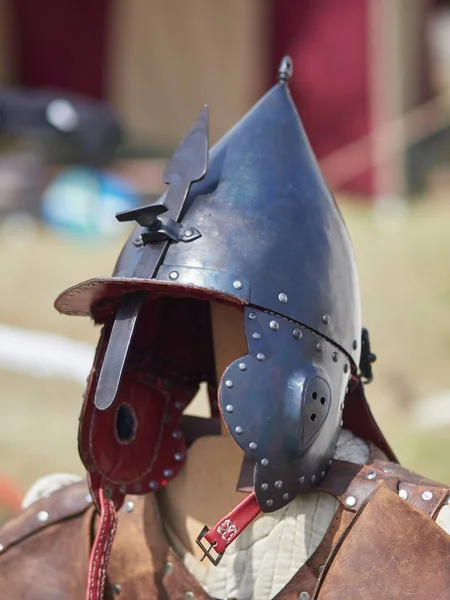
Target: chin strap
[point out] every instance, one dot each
(227, 529)
(101, 548)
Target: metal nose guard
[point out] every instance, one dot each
(188, 164)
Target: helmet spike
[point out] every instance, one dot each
(285, 69)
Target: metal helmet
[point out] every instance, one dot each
(254, 226)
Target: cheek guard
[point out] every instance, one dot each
(279, 408)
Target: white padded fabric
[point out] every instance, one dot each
(271, 550)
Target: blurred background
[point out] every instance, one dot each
(94, 96)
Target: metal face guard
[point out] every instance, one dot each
(282, 405)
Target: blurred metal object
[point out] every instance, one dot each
(367, 358)
(89, 126)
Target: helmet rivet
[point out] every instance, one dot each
(189, 232)
(387, 470)
(168, 473)
(264, 462)
(239, 430)
(274, 326)
(313, 479)
(350, 501)
(427, 495)
(297, 333)
(403, 494)
(137, 487)
(326, 319)
(138, 242)
(229, 408)
(304, 596)
(242, 367)
(371, 475)
(346, 368)
(322, 475)
(253, 445)
(229, 383)
(286, 497)
(264, 487)
(278, 484)
(282, 298)
(252, 316)
(256, 336)
(173, 275)
(168, 568)
(320, 346)
(176, 435)
(178, 456)
(335, 356)
(237, 284)
(153, 485)
(261, 356)
(301, 480)
(269, 502)
(355, 344)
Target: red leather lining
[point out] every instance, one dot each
(169, 356)
(358, 419)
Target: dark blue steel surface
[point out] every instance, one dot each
(267, 217)
(271, 401)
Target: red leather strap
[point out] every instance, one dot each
(228, 528)
(101, 548)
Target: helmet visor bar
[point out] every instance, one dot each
(117, 350)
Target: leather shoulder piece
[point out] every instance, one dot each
(62, 504)
(353, 484)
(390, 550)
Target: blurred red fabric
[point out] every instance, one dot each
(328, 42)
(62, 44)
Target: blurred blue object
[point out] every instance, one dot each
(83, 202)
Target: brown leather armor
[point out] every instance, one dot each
(382, 543)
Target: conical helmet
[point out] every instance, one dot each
(251, 224)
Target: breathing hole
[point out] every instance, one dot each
(314, 395)
(313, 417)
(322, 400)
(125, 424)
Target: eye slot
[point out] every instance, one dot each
(126, 424)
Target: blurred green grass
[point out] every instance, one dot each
(405, 284)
